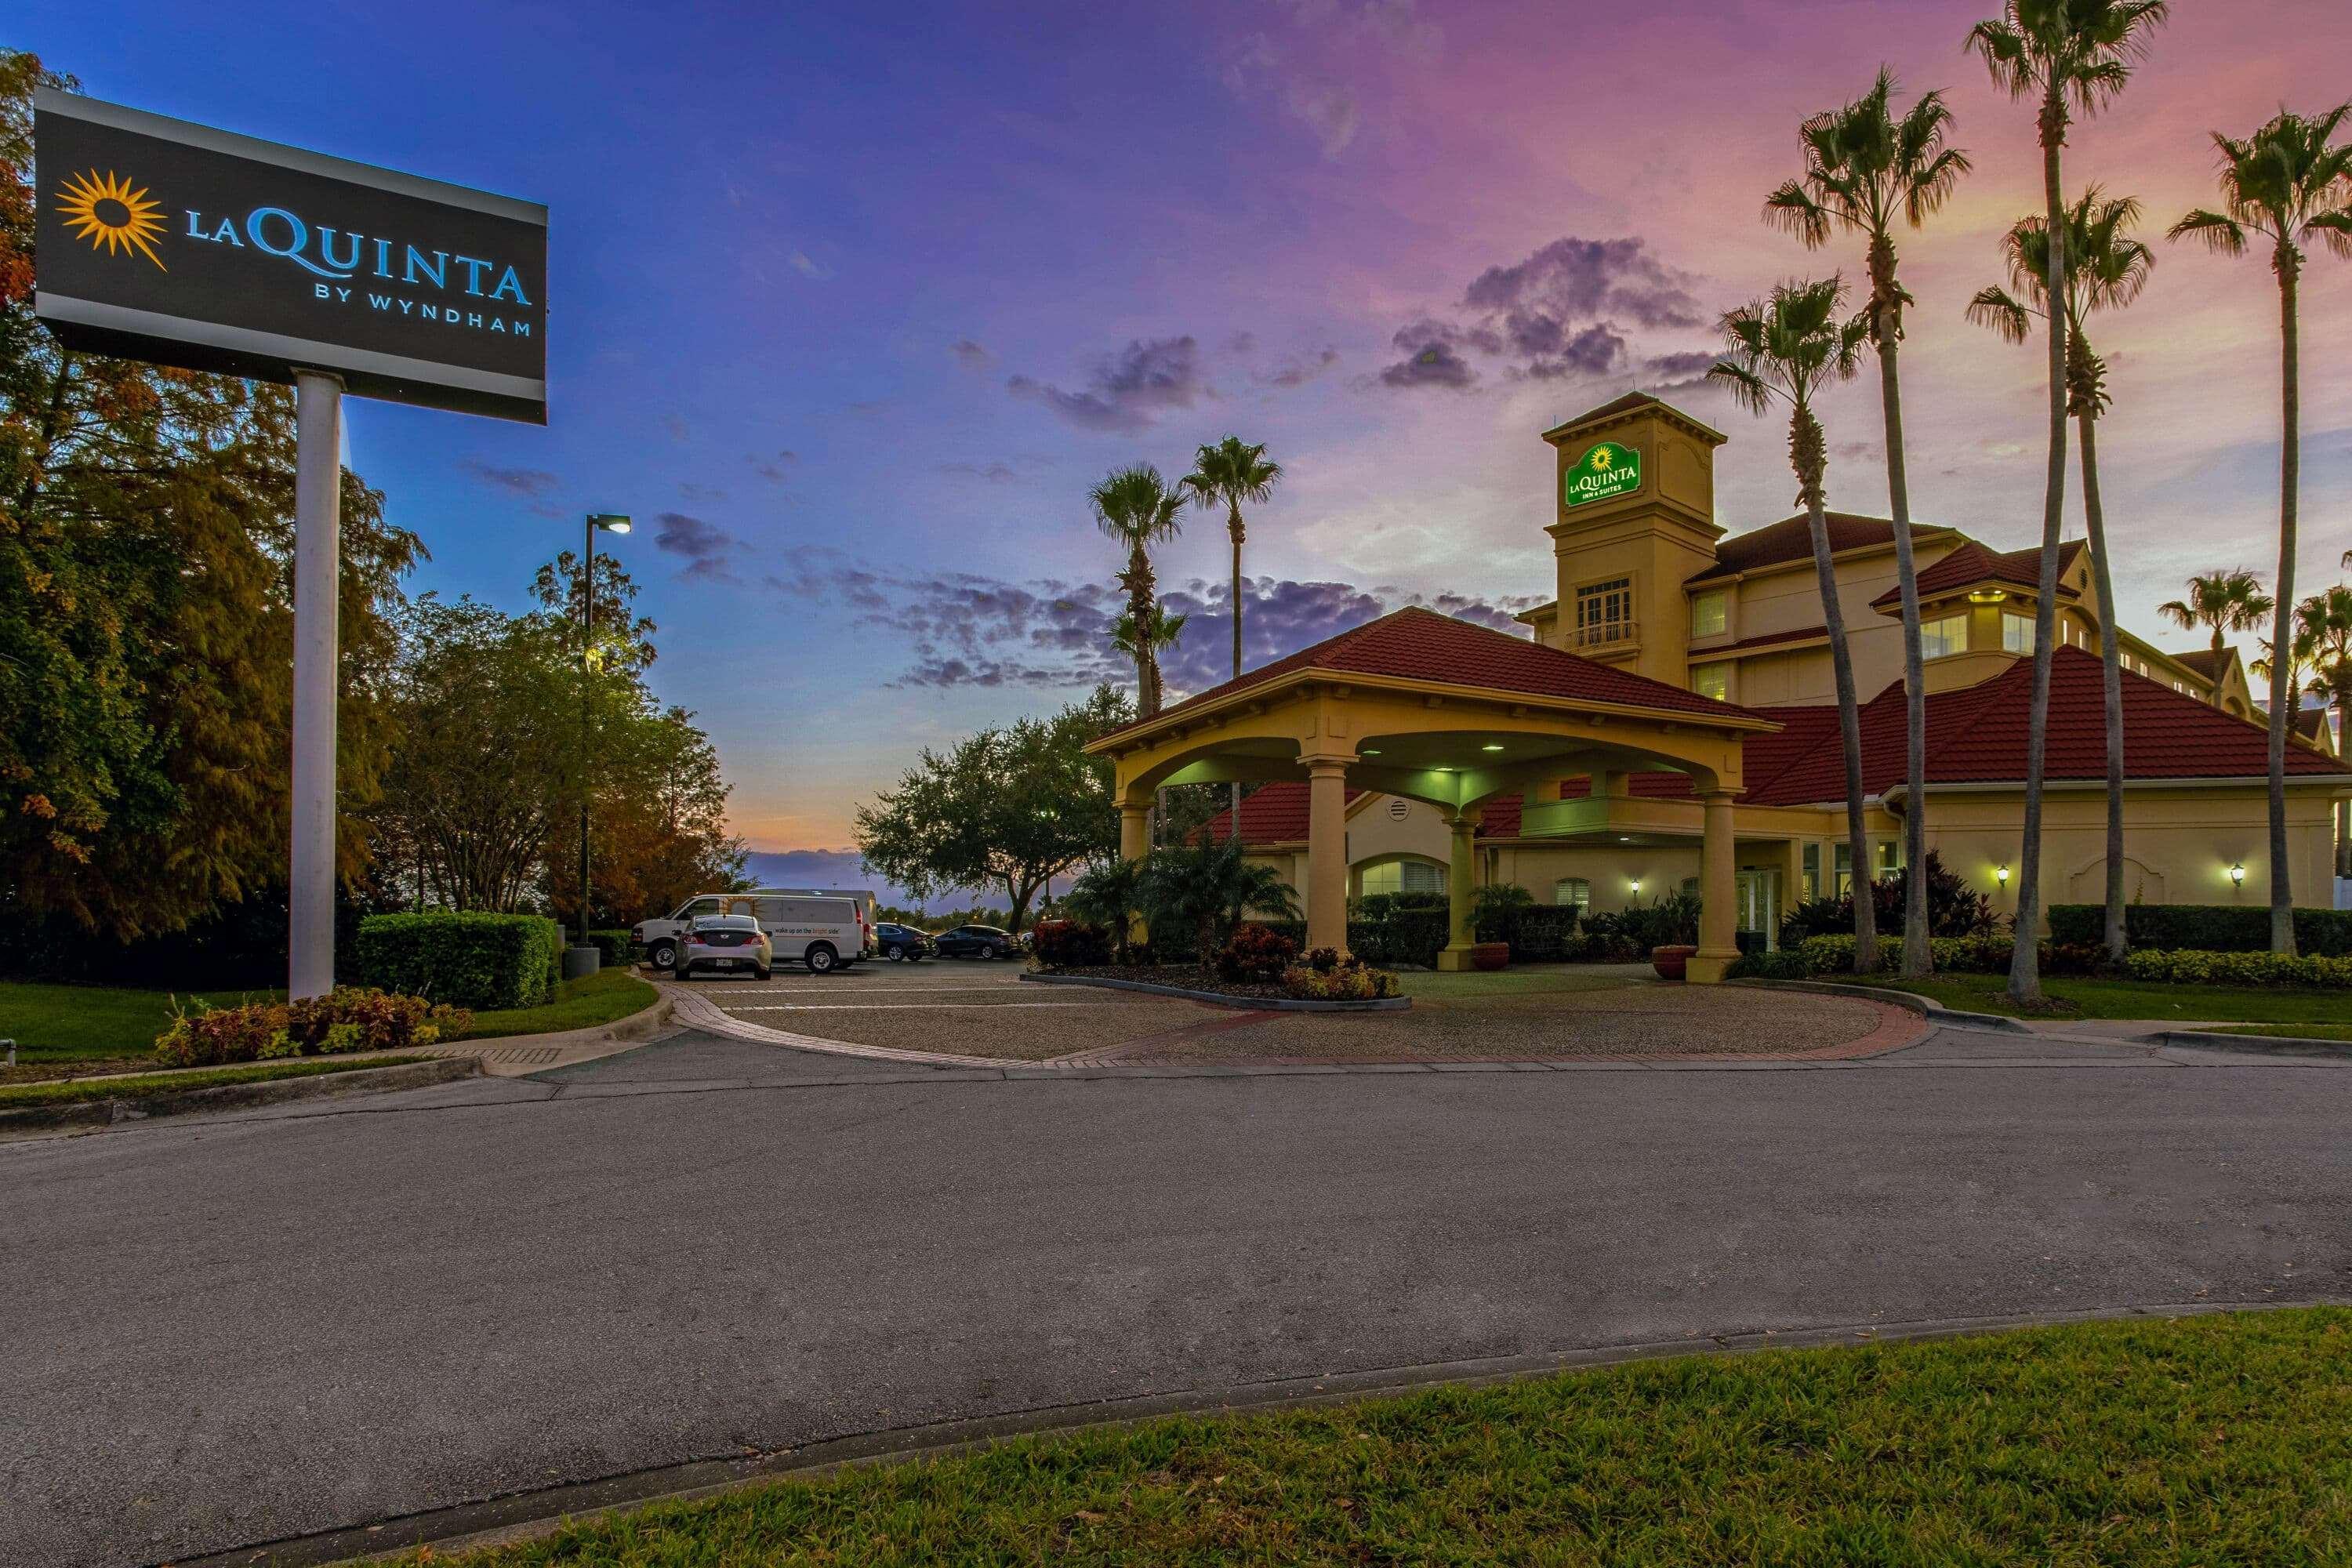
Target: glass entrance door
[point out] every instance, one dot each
(1759, 905)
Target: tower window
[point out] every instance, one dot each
(1709, 613)
(1604, 612)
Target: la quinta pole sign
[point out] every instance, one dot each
(1606, 471)
(161, 240)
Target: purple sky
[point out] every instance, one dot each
(850, 312)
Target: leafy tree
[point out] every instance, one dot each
(2105, 270)
(1135, 507)
(2073, 56)
(1227, 474)
(1865, 170)
(1787, 349)
(1207, 889)
(2227, 601)
(146, 543)
(1006, 808)
(2288, 183)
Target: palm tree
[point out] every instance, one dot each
(2074, 57)
(1864, 170)
(1105, 894)
(1209, 888)
(1788, 348)
(2105, 270)
(2322, 644)
(2286, 183)
(1160, 633)
(1229, 473)
(2228, 602)
(1137, 508)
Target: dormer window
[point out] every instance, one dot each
(1709, 613)
(1942, 638)
(2016, 633)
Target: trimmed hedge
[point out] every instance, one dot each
(2204, 928)
(484, 962)
(2192, 967)
(619, 951)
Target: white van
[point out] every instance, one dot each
(816, 926)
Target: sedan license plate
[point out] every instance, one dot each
(726, 964)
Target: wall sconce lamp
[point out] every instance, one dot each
(1637, 886)
(2238, 875)
(2000, 874)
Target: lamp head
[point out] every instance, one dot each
(2000, 873)
(2238, 874)
(610, 522)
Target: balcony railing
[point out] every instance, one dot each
(1605, 634)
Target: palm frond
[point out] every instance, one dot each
(1998, 309)
(2219, 232)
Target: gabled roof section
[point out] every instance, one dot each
(2207, 662)
(1635, 403)
(1417, 644)
(1977, 735)
(1972, 566)
(1791, 539)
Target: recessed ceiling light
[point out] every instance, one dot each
(1369, 752)
(1490, 748)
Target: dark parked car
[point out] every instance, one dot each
(976, 941)
(895, 941)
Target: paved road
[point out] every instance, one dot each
(285, 1321)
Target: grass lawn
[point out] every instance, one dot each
(2203, 1440)
(66, 1091)
(602, 998)
(1519, 979)
(72, 1029)
(2131, 999)
(2295, 1031)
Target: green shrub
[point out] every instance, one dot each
(1337, 979)
(1788, 964)
(2193, 966)
(1072, 944)
(1833, 955)
(1538, 933)
(482, 961)
(1407, 935)
(350, 1019)
(618, 951)
(2205, 928)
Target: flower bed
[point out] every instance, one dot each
(350, 1019)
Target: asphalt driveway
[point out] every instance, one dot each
(243, 1330)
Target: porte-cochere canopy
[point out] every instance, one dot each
(1437, 710)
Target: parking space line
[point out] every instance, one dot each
(893, 1006)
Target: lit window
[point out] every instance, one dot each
(1941, 639)
(1404, 877)
(2017, 633)
(1842, 883)
(1708, 614)
(1573, 890)
(1890, 856)
(1812, 871)
(1712, 680)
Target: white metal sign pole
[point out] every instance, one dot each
(318, 556)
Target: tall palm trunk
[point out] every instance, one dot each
(2283, 697)
(1808, 450)
(1233, 526)
(1918, 958)
(2111, 680)
(2025, 958)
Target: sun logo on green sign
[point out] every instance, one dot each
(1602, 458)
(112, 215)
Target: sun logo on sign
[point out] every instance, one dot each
(112, 215)
(1602, 459)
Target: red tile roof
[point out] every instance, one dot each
(2205, 661)
(1978, 734)
(1972, 564)
(1417, 644)
(1271, 814)
(1778, 543)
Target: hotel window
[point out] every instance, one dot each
(1842, 883)
(1941, 639)
(1712, 680)
(2016, 633)
(1573, 892)
(1813, 872)
(1890, 857)
(1709, 613)
(1404, 877)
(1604, 612)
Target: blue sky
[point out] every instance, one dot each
(849, 309)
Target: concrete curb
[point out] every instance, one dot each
(2252, 1045)
(1927, 1007)
(641, 1025)
(696, 1012)
(1219, 998)
(97, 1115)
(530, 1516)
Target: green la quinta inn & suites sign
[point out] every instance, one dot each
(1605, 472)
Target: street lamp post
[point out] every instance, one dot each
(610, 523)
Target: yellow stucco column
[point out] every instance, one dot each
(1134, 843)
(1327, 853)
(1461, 880)
(1718, 888)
